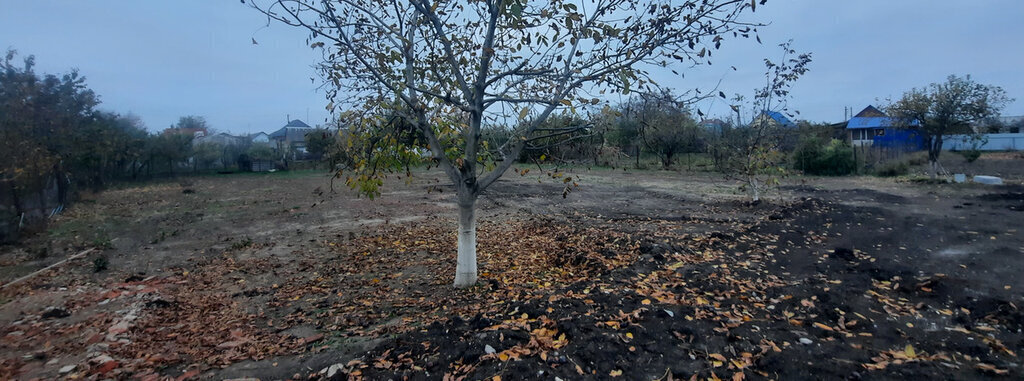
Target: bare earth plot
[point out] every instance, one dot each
(635, 275)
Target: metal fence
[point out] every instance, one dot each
(988, 142)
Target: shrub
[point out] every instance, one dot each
(100, 264)
(244, 243)
(892, 168)
(918, 158)
(816, 158)
(971, 155)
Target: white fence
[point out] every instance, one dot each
(990, 142)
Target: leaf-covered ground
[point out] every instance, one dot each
(631, 278)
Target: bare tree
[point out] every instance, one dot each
(450, 67)
(750, 153)
(945, 108)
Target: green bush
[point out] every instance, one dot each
(918, 158)
(814, 157)
(100, 264)
(892, 168)
(971, 155)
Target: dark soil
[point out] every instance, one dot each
(647, 275)
(817, 290)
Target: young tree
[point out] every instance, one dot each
(944, 108)
(450, 67)
(750, 153)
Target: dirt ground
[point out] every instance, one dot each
(633, 275)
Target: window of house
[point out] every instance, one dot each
(1014, 130)
(879, 132)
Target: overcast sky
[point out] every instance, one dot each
(162, 60)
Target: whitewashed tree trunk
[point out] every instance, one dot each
(933, 169)
(755, 192)
(465, 269)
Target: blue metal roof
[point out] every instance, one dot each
(778, 117)
(859, 122)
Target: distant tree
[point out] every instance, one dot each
(626, 135)
(261, 152)
(231, 153)
(565, 128)
(173, 149)
(189, 124)
(945, 108)
(192, 122)
(319, 142)
(449, 68)
(204, 155)
(666, 126)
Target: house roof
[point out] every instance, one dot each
(293, 125)
(870, 111)
(858, 122)
(713, 122)
(297, 123)
(778, 117)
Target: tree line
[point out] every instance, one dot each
(54, 141)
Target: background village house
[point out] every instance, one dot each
(872, 127)
(290, 140)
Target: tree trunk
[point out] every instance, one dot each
(934, 149)
(754, 191)
(465, 269)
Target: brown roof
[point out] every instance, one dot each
(870, 111)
